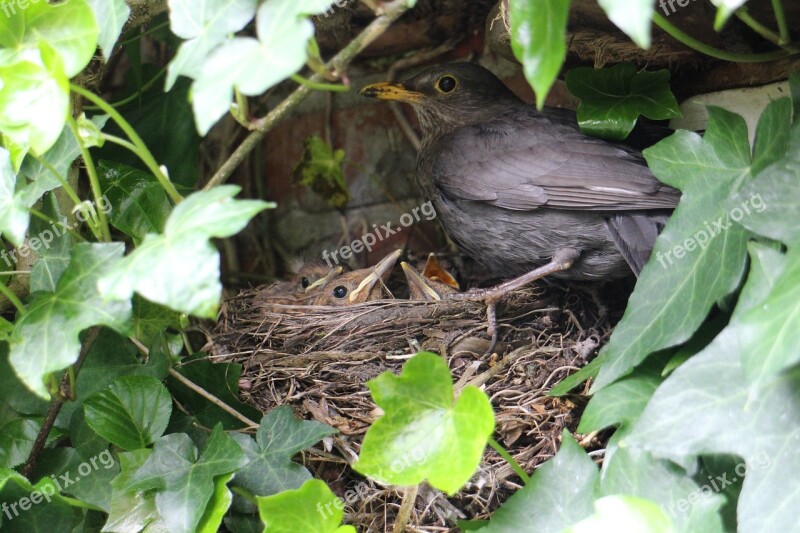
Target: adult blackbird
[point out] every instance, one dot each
(524, 191)
(434, 284)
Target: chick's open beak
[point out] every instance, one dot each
(391, 91)
(379, 274)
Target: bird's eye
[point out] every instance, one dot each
(305, 283)
(446, 84)
(340, 291)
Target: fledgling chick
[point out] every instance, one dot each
(358, 286)
(434, 284)
(305, 285)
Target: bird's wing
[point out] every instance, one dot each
(524, 163)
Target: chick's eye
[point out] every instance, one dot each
(305, 283)
(340, 292)
(446, 84)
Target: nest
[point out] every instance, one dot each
(318, 359)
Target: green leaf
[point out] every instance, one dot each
(34, 98)
(16, 441)
(254, 65)
(636, 472)
(15, 398)
(68, 28)
(131, 512)
(560, 493)
(218, 505)
(149, 320)
(54, 259)
(539, 42)
(59, 157)
(221, 380)
(132, 413)
(111, 16)
(45, 339)
(280, 436)
(32, 506)
(424, 433)
(180, 269)
(85, 478)
(625, 513)
(320, 169)
(725, 8)
(701, 246)
(14, 216)
(632, 17)
(707, 406)
(183, 478)
(772, 196)
(138, 203)
(619, 403)
(613, 98)
(204, 26)
(312, 508)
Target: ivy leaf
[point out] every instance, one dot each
(254, 65)
(702, 245)
(149, 320)
(14, 216)
(16, 441)
(632, 17)
(204, 26)
(132, 413)
(36, 171)
(539, 42)
(320, 169)
(180, 268)
(725, 8)
(775, 191)
(184, 479)
(53, 510)
(618, 404)
(45, 339)
(111, 16)
(54, 259)
(68, 27)
(34, 97)
(218, 505)
(613, 98)
(139, 204)
(280, 436)
(312, 508)
(560, 493)
(131, 512)
(625, 513)
(707, 406)
(424, 433)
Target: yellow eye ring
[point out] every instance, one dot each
(446, 84)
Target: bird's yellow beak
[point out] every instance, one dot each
(391, 91)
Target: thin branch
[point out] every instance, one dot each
(780, 18)
(211, 398)
(392, 11)
(58, 402)
(404, 514)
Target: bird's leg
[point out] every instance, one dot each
(562, 260)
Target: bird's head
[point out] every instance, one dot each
(448, 96)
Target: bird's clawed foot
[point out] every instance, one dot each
(562, 260)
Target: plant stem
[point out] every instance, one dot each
(38, 214)
(9, 294)
(320, 86)
(701, 47)
(141, 149)
(104, 233)
(376, 28)
(762, 30)
(144, 33)
(135, 95)
(510, 460)
(780, 18)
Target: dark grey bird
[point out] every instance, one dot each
(524, 191)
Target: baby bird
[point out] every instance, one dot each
(434, 284)
(358, 286)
